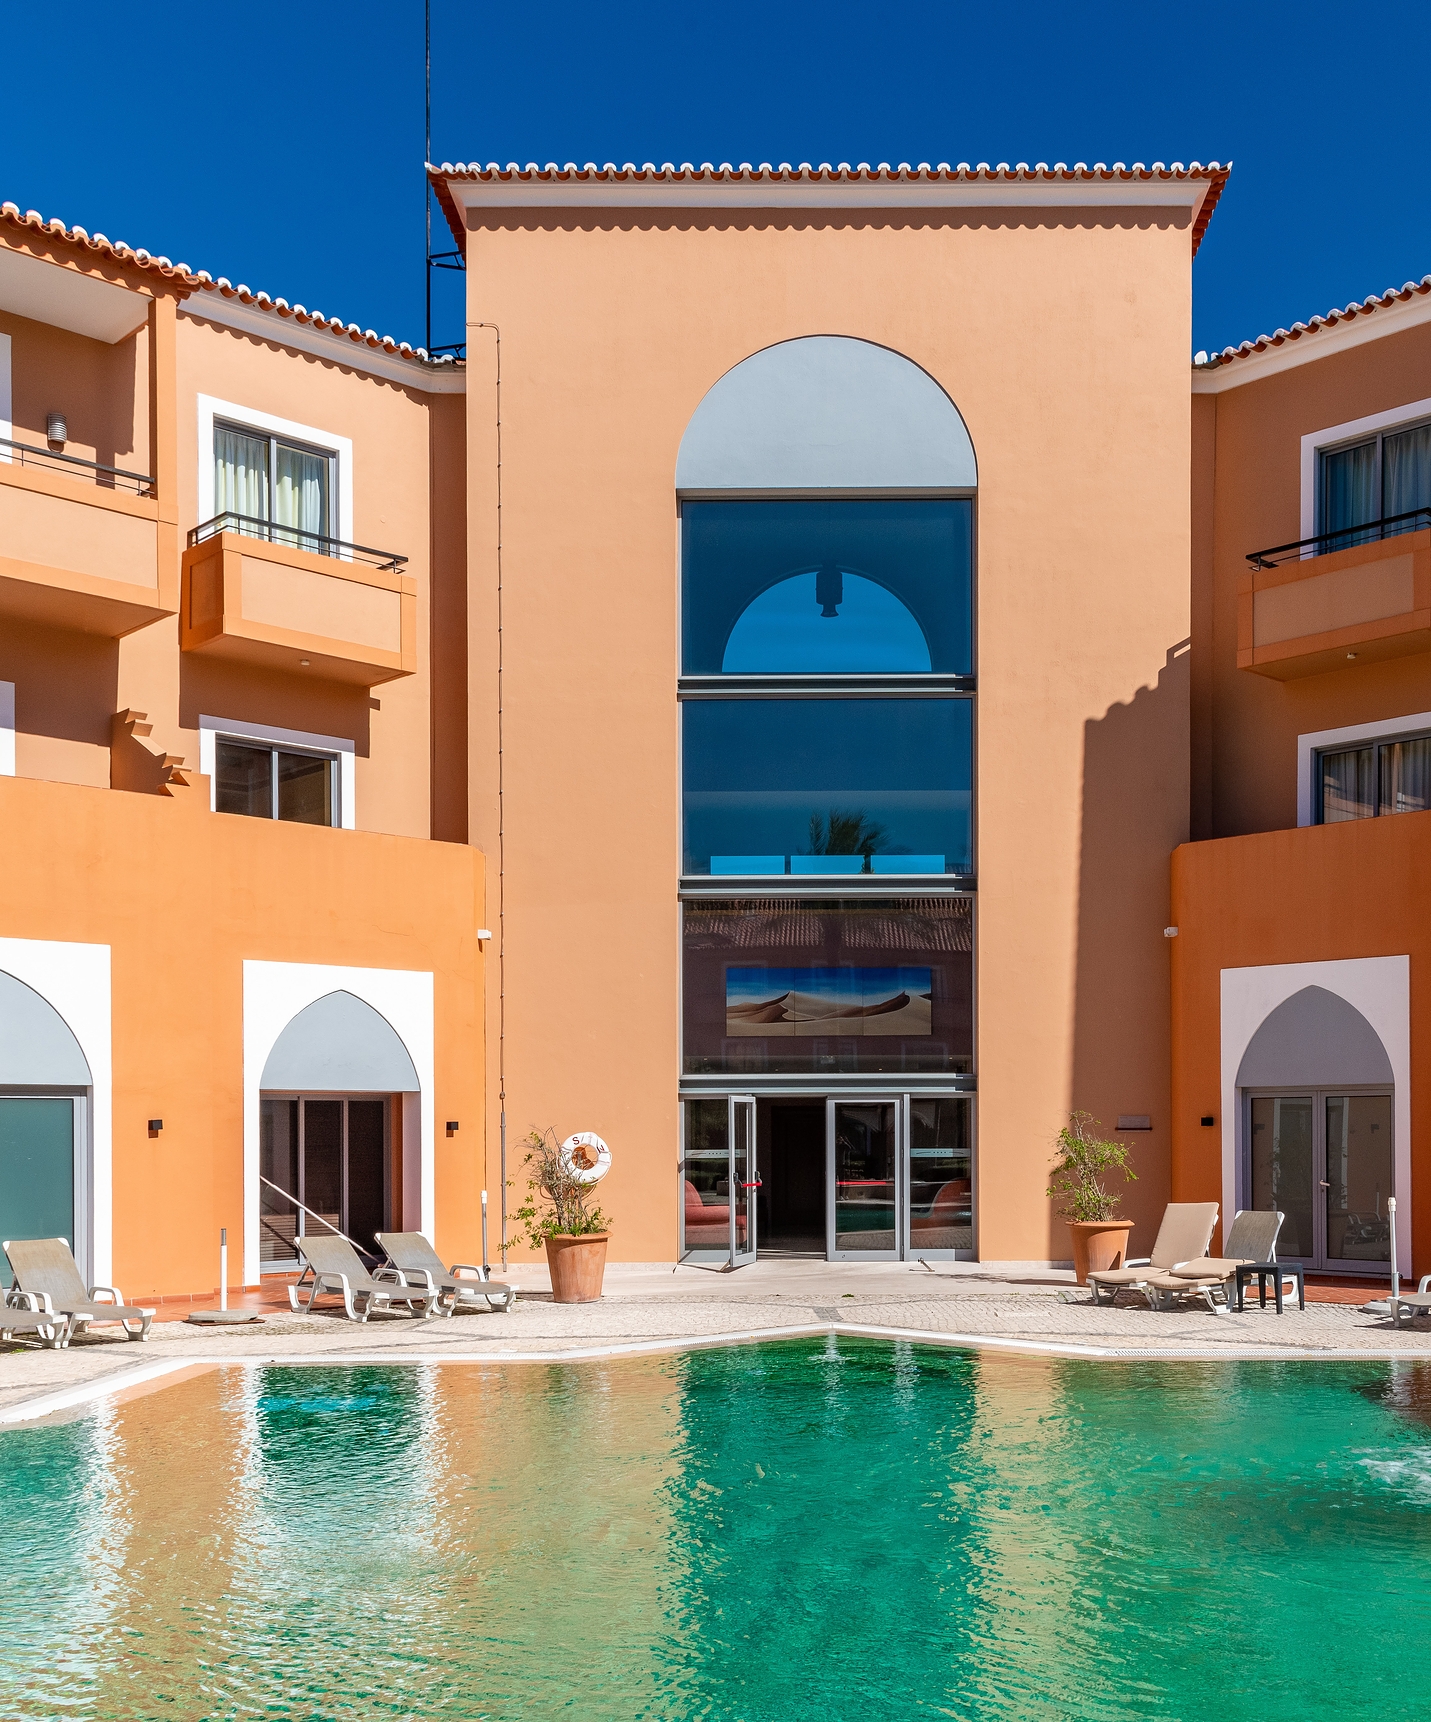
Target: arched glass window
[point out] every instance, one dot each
(830, 619)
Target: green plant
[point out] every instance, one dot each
(558, 1203)
(1081, 1159)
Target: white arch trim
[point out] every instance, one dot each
(825, 412)
(1378, 987)
(75, 980)
(273, 994)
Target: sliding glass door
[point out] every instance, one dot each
(1326, 1160)
(864, 1144)
(325, 1162)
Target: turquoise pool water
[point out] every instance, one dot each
(767, 1533)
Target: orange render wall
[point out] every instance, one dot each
(1247, 482)
(183, 897)
(1321, 894)
(1063, 340)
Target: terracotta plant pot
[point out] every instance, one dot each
(577, 1265)
(1098, 1245)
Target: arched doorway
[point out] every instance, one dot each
(44, 1085)
(1317, 1095)
(330, 1133)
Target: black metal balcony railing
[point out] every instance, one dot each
(1344, 538)
(110, 477)
(317, 543)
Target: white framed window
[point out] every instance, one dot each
(1363, 770)
(271, 469)
(1367, 469)
(271, 773)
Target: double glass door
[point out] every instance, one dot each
(330, 1152)
(1326, 1161)
(897, 1183)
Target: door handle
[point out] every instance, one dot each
(1325, 1184)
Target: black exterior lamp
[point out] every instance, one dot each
(829, 589)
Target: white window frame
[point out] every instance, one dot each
(340, 748)
(1332, 740)
(7, 729)
(266, 424)
(1352, 431)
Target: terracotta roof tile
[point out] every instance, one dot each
(1314, 326)
(199, 280)
(861, 174)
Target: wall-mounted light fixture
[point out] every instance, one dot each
(1205, 1122)
(56, 427)
(155, 1126)
(451, 1126)
(1170, 932)
(483, 934)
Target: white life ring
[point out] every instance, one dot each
(586, 1156)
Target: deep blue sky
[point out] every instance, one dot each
(283, 147)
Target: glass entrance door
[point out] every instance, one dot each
(331, 1153)
(719, 1180)
(1326, 1161)
(864, 1163)
(37, 1171)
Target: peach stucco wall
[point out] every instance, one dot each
(1250, 440)
(1323, 894)
(183, 897)
(1063, 339)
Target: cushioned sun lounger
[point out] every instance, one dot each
(419, 1264)
(1182, 1237)
(337, 1267)
(45, 1268)
(1409, 1305)
(52, 1331)
(1252, 1237)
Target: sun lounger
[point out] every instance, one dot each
(419, 1264)
(337, 1267)
(52, 1331)
(1406, 1307)
(1252, 1237)
(1182, 1237)
(45, 1268)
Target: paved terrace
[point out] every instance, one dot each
(653, 1307)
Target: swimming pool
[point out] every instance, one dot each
(765, 1533)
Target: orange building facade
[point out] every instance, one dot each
(813, 631)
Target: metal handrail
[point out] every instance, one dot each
(1344, 538)
(288, 1196)
(137, 479)
(254, 526)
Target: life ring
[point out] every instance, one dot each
(586, 1156)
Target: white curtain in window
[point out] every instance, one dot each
(1349, 487)
(240, 473)
(301, 492)
(1406, 472)
(1406, 777)
(1348, 783)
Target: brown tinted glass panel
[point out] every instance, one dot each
(366, 1196)
(323, 1164)
(243, 779)
(1406, 776)
(305, 789)
(812, 986)
(1282, 1167)
(706, 1176)
(1359, 1173)
(278, 1161)
(1348, 785)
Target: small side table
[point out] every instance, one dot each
(1275, 1271)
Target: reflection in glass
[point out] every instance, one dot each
(1282, 1167)
(1348, 785)
(826, 587)
(1359, 1177)
(815, 986)
(367, 1153)
(243, 779)
(1405, 770)
(864, 1176)
(322, 1169)
(706, 1176)
(278, 1161)
(827, 786)
(305, 788)
(1349, 488)
(742, 1172)
(941, 1208)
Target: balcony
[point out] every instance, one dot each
(81, 544)
(282, 598)
(1358, 595)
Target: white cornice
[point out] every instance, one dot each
(338, 349)
(777, 194)
(1321, 343)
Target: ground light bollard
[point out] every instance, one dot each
(485, 1269)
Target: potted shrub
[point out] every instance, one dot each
(560, 1216)
(1081, 1160)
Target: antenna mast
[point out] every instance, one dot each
(435, 259)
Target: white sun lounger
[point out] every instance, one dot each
(419, 1264)
(45, 1269)
(337, 1267)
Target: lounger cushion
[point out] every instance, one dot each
(1122, 1276)
(1219, 1267)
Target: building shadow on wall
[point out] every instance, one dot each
(1135, 813)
